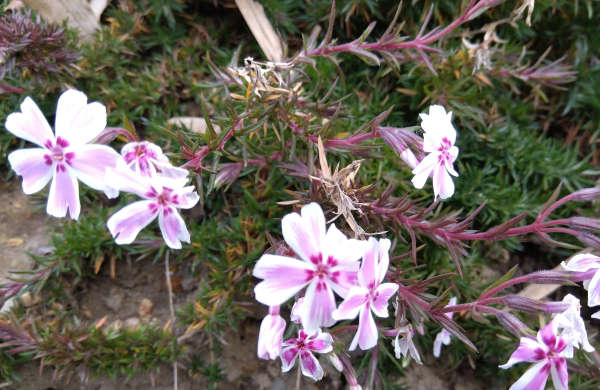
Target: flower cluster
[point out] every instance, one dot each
(70, 155)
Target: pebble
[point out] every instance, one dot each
(145, 307)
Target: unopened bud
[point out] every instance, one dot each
(550, 277)
(584, 224)
(400, 139)
(589, 240)
(513, 324)
(586, 194)
(110, 133)
(335, 361)
(533, 306)
(228, 173)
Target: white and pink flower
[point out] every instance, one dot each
(162, 197)
(439, 141)
(546, 352)
(573, 327)
(64, 156)
(444, 337)
(329, 263)
(405, 346)
(369, 295)
(585, 267)
(270, 337)
(147, 159)
(303, 347)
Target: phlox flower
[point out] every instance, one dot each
(444, 336)
(573, 325)
(369, 295)
(438, 141)
(270, 336)
(64, 156)
(162, 197)
(304, 346)
(546, 352)
(329, 263)
(585, 267)
(405, 346)
(147, 159)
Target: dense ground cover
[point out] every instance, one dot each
(527, 121)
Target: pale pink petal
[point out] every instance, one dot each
(547, 335)
(184, 198)
(355, 300)
(130, 220)
(534, 378)
(77, 121)
(431, 143)
(366, 335)
(321, 344)
(288, 356)
(283, 277)
(89, 164)
(442, 182)
(167, 170)
(384, 258)
(305, 233)
(31, 164)
(438, 123)
(270, 337)
(319, 304)
(295, 316)
(409, 158)
(64, 193)
(582, 263)
(30, 124)
(310, 365)
(437, 345)
(367, 275)
(172, 227)
(424, 168)
(339, 249)
(560, 376)
(529, 350)
(343, 277)
(382, 296)
(124, 179)
(451, 303)
(594, 291)
(596, 315)
(450, 168)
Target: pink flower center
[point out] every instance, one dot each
(322, 270)
(57, 154)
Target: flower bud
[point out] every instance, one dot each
(533, 306)
(270, 337)
(584, 224)
(402, 140)
(335, 361)
(589, 240)
(550, 277)
(586, 194)
(228, 173)
(295, 317)
(110, 133)
(513, 324)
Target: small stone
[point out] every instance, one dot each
(115, 299)
(14, 242)
(116, 326)
(132, 323)
(188, 284)
(145, 307)
(28, 300)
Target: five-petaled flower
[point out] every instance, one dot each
(65, 156)
(547, 354)
(572, 323)
(270, 336)
(586, 267)
(329, 263)
(147, 159)
(369, 294)
(163, 196)
(304, 346)
(438, 141)
(444, 336)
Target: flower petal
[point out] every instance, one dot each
(30, 124)
(310, 365)
(424, 169)
(341, 249)
(77, 121)
(172, 227)
(594, 291)
(124, 179)
(288, 356)
(270, 337)
(379, 303)
(323, 343)
(64, 193)
(350, 307)
(442, 182)
(534, 378)
(582, 263)
(319, 304)
(384, 258)
(31, 164)
(130, 220)
(89, 164)
(168, 170)
(343, 277)
(305, 233)
(367, 276)
(283, 277)
(529, 350)
(185, 198)
(560, 376)
(366, 335)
